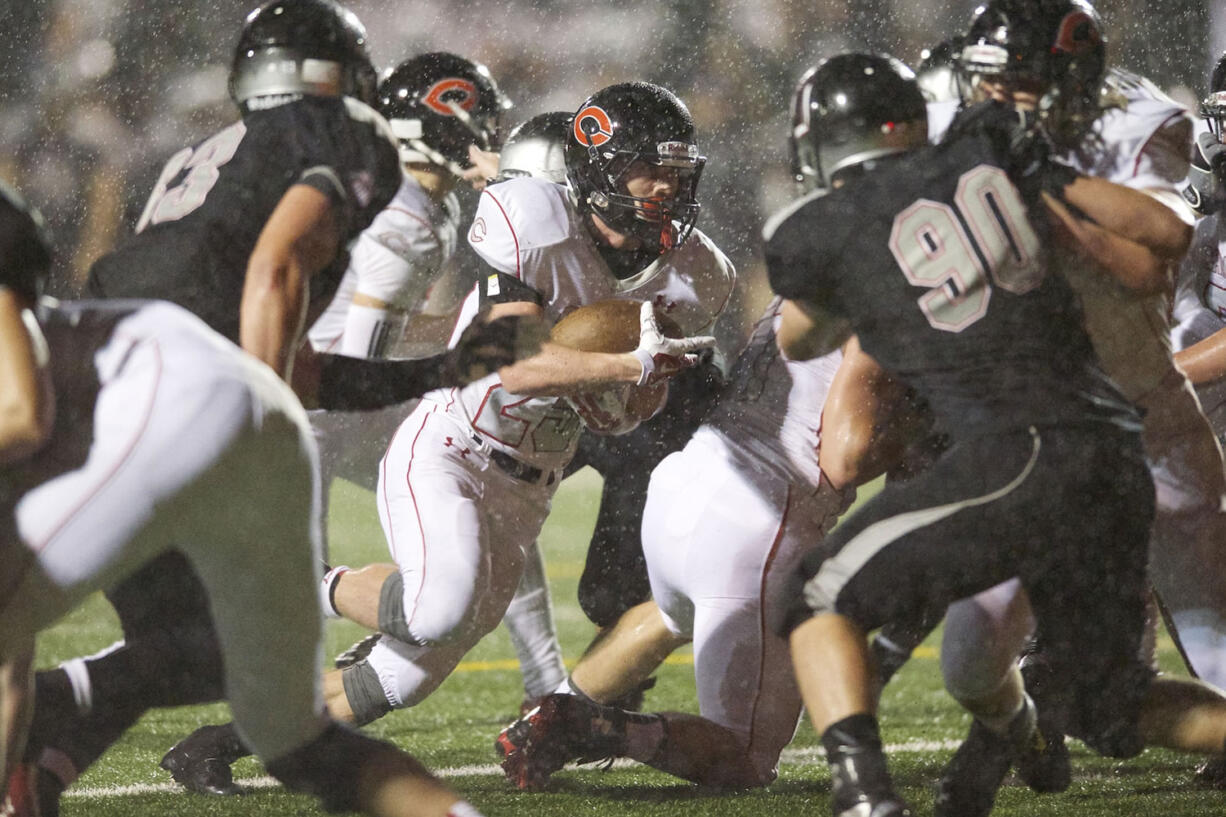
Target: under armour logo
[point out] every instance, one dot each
(478, 231)
(663, 305)
(451, 443)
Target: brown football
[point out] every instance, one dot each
(613, 326)
(607, 326)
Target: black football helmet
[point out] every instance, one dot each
(1213, 106)
(294, 47)
(439, 104)
(25, 245)
(852, 109)
(622, 124)
(536, 148)
(1058, 44)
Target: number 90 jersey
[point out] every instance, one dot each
(203, 219)
(934, 261)
(539, 249)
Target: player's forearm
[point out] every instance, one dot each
(1205, 361)
(27, 403)
(1132, 264)
(1132, 214)
(273, 310)
(558, 371)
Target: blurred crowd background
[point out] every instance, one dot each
(96, 94)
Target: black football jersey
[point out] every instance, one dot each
(950, 286)
(201, 223)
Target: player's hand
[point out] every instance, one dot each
(486, 346)
(1205, 190)
(663, 357)
(484, 167)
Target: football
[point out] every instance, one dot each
(613, 326)
(607, 326)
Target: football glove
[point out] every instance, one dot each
(1204, 189)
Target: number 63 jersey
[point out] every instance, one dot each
(211, 201)
(944, 278)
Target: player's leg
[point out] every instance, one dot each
(984, 635)
(16, 704)
(1188, 545)
(963, 511)
(437, 503)
(529, 621)
(278, 708)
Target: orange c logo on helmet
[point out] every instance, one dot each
(593, 127)
(1077, 33)
(461, 92)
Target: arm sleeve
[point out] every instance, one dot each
(357, 384)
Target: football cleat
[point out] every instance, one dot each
(201, 761)
(562, 728)
(1043, 763)
(969, 783)
(861, 786)
(358, 652)
(1212, 773)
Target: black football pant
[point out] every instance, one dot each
(1067, 510)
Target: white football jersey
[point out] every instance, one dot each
(405, 251)
(1143, 144)
(1200, 306)
(771, 411)
(530, 230)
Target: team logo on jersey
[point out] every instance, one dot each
(593, 127)
(1077, 34)
(477, 233)
(449, 93)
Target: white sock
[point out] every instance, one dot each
(326, 589)
(463, 808)
(82, 687)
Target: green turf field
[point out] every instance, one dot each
(453, 731)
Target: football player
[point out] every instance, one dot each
(1200, 340)
(1140, 141)
(126, 426)
(398, 297)
(633, 168)
(466, 483)
(245, 229)
(744, 499)
(971, 318)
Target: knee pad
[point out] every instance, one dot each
(391, 611)
(442, 630)
(328, 767)
(364, 692)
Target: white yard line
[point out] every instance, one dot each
(791, 757)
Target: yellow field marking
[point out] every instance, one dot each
(682, 659)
